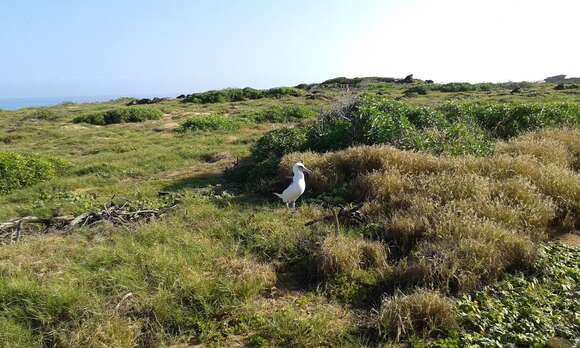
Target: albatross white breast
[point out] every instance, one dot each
(297, 187)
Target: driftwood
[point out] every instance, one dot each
(116, 214)
(342, 215)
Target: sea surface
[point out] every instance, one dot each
(19, 103)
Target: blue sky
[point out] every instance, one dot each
(155, 47)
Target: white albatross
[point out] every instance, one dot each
(297, 187)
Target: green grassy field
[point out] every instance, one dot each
(458, 246)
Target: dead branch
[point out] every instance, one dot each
(115, 214)
(342, 215)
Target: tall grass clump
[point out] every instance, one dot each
(17, 170)
(43, 114)
(458, 222)
(210, 123)
(420, 314)
(121, 115)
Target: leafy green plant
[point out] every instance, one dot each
(43, 114)
(237, 94)
(282, 114)
(414, 91)
(278, 142)
(527, 310)
(121, 115)
(508, 120)
(17, 170)
(209, 123)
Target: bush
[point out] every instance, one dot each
(209, 123)
(280, 92)
(421, 314)
(18, 171)
(509, 120)
(454, 87)
(278, 142)
(237, 94)
(414, 91)
(281, 114)
(43, 114)
(124, 115)
(453, 129)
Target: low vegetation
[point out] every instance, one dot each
(210, 123)
(282, 114)
(450, 129)
(120, 115)
(427, 221)
(18, 171)
(240, 94)
(527, 310)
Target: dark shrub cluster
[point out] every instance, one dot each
(376, 120)
(124, 115)
(414, 91)
(455, 87)
(18, 171)
(210, 123)
(43, 114)
(146, 101)
(282, 114)
(563, 86)
(239, 94)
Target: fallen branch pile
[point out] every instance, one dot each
(342, 215)
(115, 214)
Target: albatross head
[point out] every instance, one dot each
(300, 168)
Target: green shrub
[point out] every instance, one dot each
(278, 142)
(283, 114)
(454, 87)
(124, 115)
(280, 92)
(414, 91)
(209, 123)
(43, 114)
(451, 129)
(509, 120)
(458, 139)
(237, 94)
(252, 93)
(17, 171)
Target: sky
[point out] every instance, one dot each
(169, 47)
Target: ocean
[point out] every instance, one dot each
(18, 103)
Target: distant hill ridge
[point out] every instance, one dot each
(562, 79)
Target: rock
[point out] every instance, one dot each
(555, 79)
(516, 90)
(429, 81)
(408, 79)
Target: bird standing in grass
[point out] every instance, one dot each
(297, 187)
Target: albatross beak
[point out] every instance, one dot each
(307, 170)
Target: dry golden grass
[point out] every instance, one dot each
(423, 313)
(344, 254)
(465, 221)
